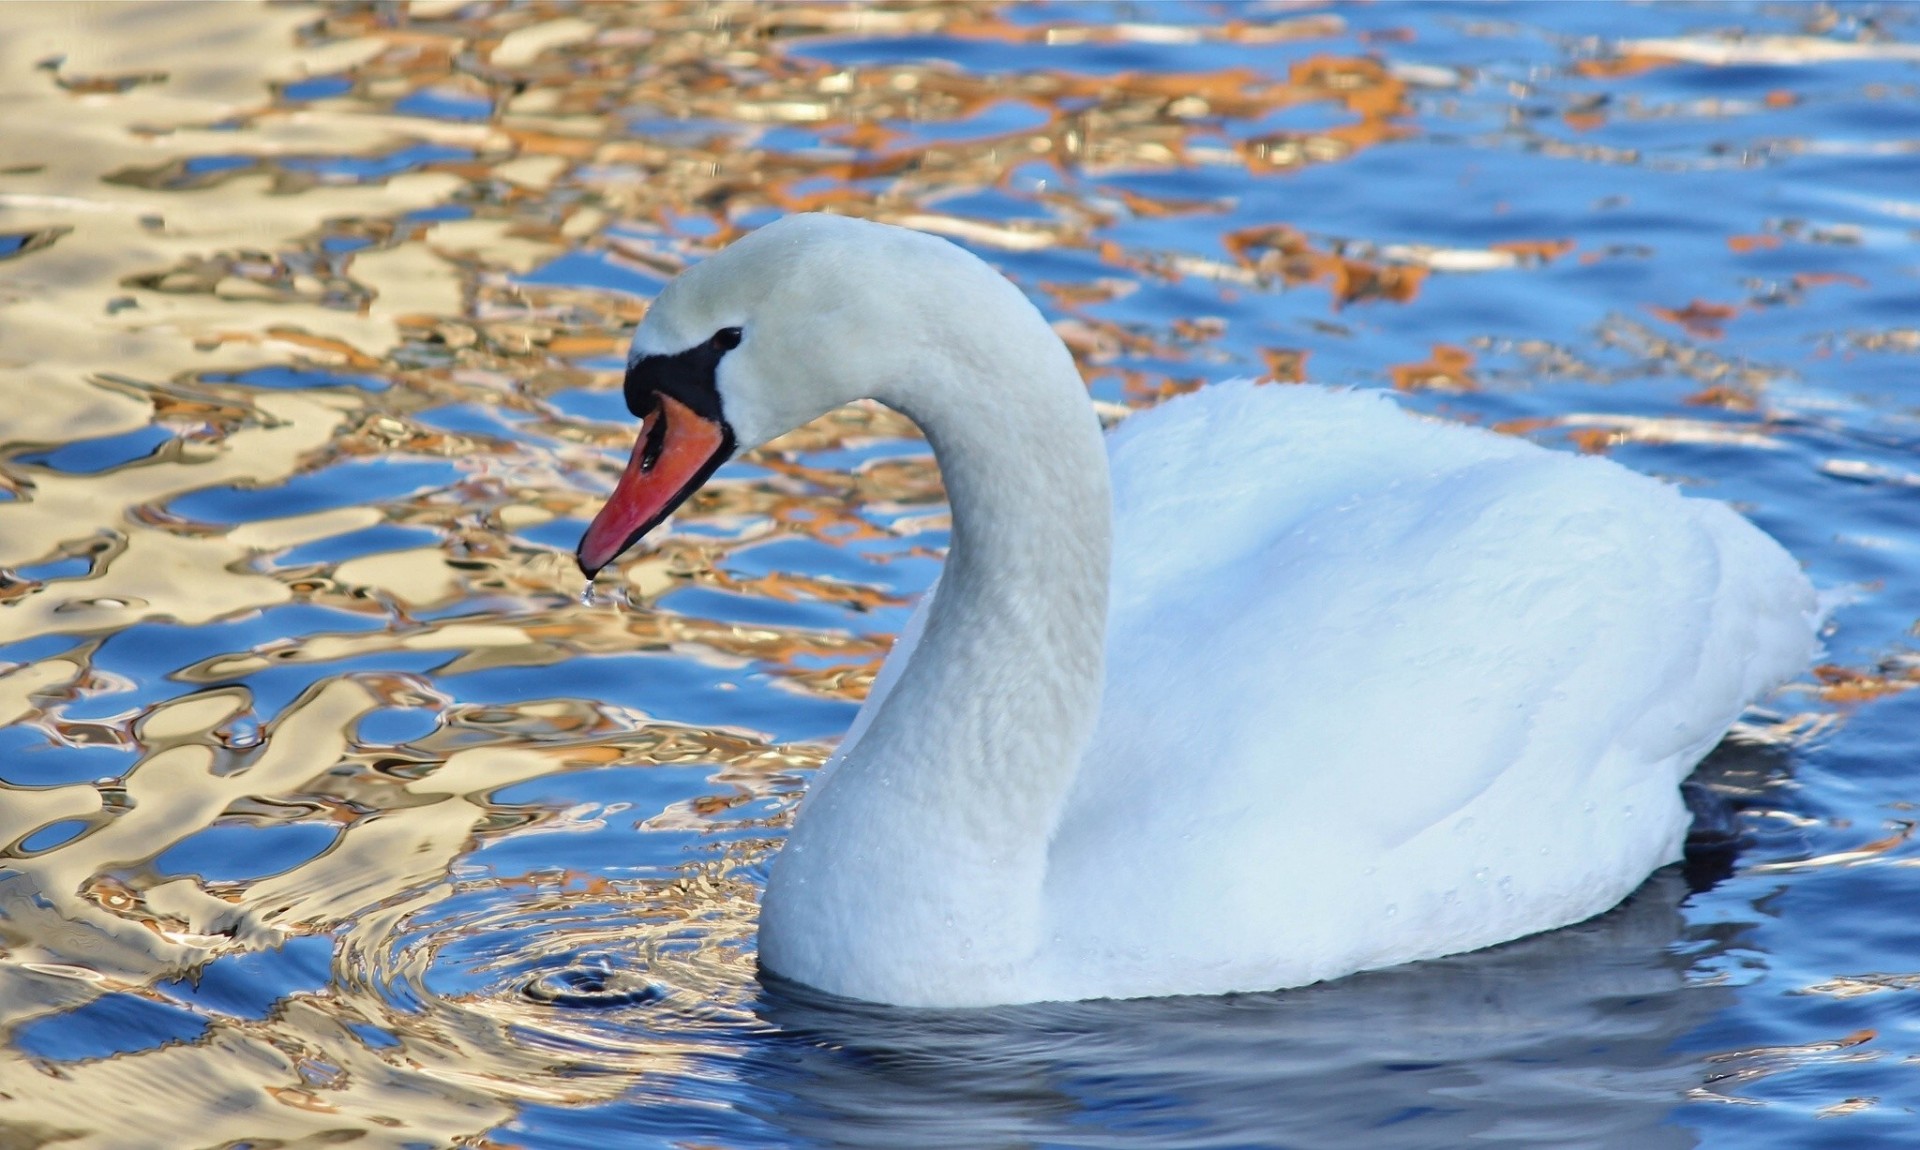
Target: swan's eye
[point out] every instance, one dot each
(726, 339)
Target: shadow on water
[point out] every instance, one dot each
(1736, 777)
(1568, 1032)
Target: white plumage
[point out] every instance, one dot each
(1395, 688)
(1356, 687)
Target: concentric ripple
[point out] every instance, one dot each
(593, 982)
(600, 978)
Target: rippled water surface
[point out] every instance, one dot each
(332, 815)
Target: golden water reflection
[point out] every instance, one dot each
(300, 419)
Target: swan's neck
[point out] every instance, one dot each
(930, 835)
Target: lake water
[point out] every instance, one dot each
(332, 815)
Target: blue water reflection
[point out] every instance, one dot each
(394, 783)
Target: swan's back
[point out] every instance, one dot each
(1381, 688)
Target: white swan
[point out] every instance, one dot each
(1356, 687)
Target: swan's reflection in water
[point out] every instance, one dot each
(1568, 1038)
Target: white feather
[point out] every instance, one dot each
(1273, 685)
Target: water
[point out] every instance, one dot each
(335, 812)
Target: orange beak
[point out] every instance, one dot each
(676, 452)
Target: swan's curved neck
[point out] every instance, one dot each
(1005, 683)
(935, 824)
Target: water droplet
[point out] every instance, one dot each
(1482, 875)
(1393, 908)
(243, 734)
(586, 594)
(1628, 812)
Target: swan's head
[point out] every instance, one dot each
(780, 328)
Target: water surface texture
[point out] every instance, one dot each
(332, 815)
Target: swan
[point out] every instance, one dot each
(1271, 685)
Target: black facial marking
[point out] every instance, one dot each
(688, 376)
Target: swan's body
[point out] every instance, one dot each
(1356, 687)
